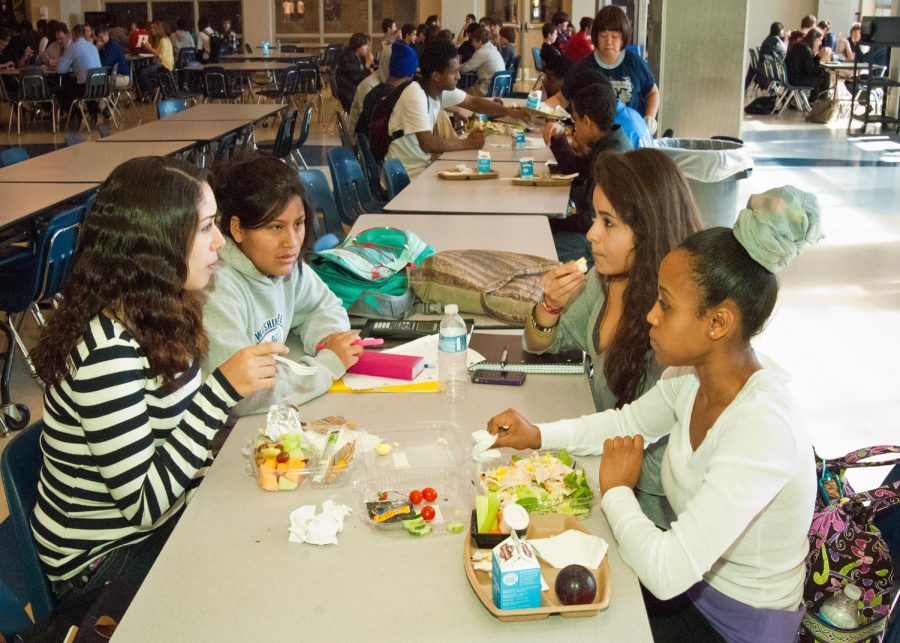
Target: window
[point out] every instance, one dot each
(346, 17)
(125, 12)
(402, 11)
(297, 17)
(543, 10)
(169, 12)
(504, 10)
(216, 11)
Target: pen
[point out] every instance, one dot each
(369, 341)
(503, 359)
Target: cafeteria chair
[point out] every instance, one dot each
(538, 66)
(290, 49)
(351, 189)
(186, 57)
(168, 88)
(466, 80)
(395, 177)
(325, 220)
(96, 90)
(12, 100)
(283, 90)
(500, 85)
(514, 65)
(13, 155)
(282, 147)
(218, 85)
(347, 139)
(330, 58)
(795, 93)
(309, 85)
(370, 165)
(13, 617)
(20, 470)
(74, 139)
(169, 106)
(117, 93)
(225, 148)
(35, 92)
(304, 134)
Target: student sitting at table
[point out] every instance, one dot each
(593, 109)
(508, 37)
(642, 207)
(128, 418)
(403, 64)
(354, 64)
(263, 292)
(54, 51)
(739, 469)
(80, 56)
(417, 109)
(112, 54)
(161, 47)
(484, 62)
(802, 63)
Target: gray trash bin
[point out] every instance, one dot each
(712, 167)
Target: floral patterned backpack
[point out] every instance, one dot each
(847, 547)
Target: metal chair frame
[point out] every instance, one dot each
(96, 90)
(35, 90)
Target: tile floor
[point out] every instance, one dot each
(835, 327)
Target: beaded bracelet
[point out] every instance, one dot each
(550, 311)
(543, 330)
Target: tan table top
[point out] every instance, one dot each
(273, 56)
(501, 149)
(227, 112)
(22, 200)
(178, 130)
(89, 162)
(429, 194)
(229, 573)
(248, 67)
(454, 231)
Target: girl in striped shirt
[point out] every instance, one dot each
(128, 419)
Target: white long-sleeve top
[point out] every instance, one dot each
(744, 499)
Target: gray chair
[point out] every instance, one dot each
(96, 90)
(35, 92)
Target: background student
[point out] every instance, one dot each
(643, 208)
(263, 292)
(739, 469)
(129, 419)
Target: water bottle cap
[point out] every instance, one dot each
(451, 309)
(852, 592)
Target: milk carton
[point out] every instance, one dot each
(534, 99)
(526, 167)
(484, 161)
(515, 575)
(518, 139)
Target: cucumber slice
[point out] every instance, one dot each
(415, 523)
(420, 531)
(455, 527)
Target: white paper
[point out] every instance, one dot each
(482, 451)
(318, 529)
(571, 547)
(425, 347)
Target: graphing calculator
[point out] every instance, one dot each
(397, 330)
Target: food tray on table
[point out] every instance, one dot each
(447, 175)
(549, 115)
(416, 445)
(544, 181)
(565, 489)
(541, 526)
(384, 504)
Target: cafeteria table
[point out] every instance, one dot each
(454, 232)
(177, 130)
(247, 67)
(228, 572)
(272, 56)
(501, 149)
(227, 112)
(89, 162)
(21, 201)
(429, 194)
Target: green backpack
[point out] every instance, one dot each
(368, 272)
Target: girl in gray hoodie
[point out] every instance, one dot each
(262, 292)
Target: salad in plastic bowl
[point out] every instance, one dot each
(541, 482)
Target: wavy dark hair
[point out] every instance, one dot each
(651, 196)
(132, 260)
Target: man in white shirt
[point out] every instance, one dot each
(485, 61)
(417, 109)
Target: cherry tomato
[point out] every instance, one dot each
(429, 494)
(427, 513)
(415, 496)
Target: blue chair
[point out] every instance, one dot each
(74, 139)
(395, 177)
(304, 134)
(284, 139)
(500, 85)
(13, 155)
(370, 165)
(168, 106)
(351, 188)
(323, 213)
(536, 54)
(20, 469)
(13, 618)
(27, 277)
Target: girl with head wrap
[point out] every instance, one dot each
(739, 470)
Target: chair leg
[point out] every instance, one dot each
(54, 113)
(17, 338)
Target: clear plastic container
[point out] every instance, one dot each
(384, 489)
(276, 468)
(842, 609)
(418, 445)
(575, 502)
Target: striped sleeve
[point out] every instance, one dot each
(144, 478)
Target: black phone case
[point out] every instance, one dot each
(505, 378)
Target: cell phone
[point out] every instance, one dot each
(507, 378)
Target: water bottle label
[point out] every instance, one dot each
(452, 343)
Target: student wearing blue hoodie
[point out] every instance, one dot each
(262, 291)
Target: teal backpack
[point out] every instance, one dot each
(368, 272)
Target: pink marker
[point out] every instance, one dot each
(368, 341)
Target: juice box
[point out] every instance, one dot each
(515, 575)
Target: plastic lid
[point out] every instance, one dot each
(851, 591)
(515, 516)
(451, 309)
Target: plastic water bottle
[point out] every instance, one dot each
(842, 609)
(452, 355)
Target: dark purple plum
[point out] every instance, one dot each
(576, 585)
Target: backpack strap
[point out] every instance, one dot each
(856, 458)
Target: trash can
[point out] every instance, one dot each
(712, 167)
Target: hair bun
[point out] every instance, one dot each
(777, 225)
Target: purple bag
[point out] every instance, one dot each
(846, 547)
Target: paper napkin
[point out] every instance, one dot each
(318, 529)
(482, 451)
(571, 547)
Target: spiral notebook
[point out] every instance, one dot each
(492, 345)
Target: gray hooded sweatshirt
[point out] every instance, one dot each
(247, 307)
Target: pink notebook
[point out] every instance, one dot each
(380, 364)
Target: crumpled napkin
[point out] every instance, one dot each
(318, 529)
(482, 451)
(571, 547)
